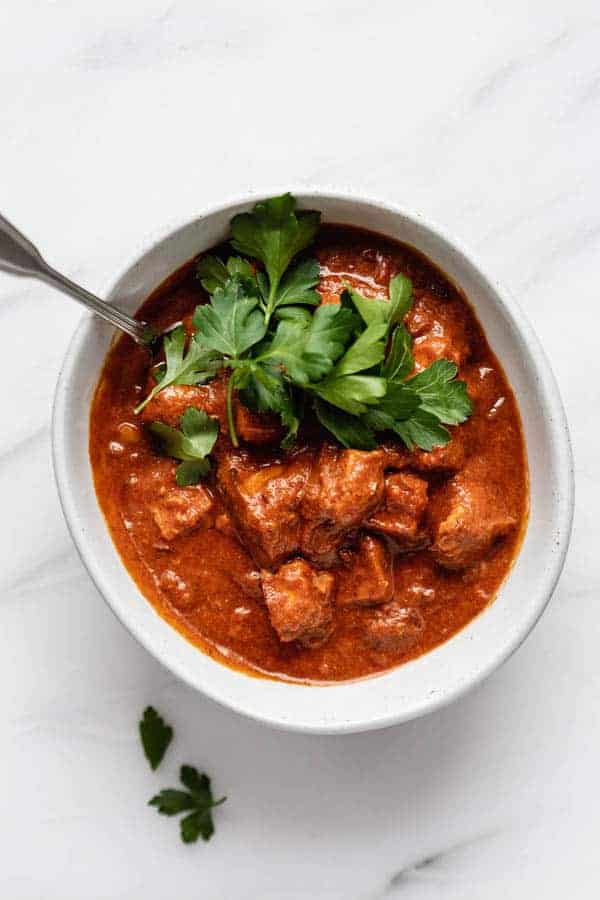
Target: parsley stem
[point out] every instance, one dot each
(271, 302)
(230, 417)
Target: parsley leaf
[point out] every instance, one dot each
(351, 393)
(198, 798)
(399, 361)
(264, 389)
(367, 351)
(417, 409)
(351, 360)
(398, 405)
(346, 389)
(156, 736)
(231, 323)
(401, 297)
(274, 233)
(330, 329)
(349, 430)
(440, 394)
(297, 286)
(375, 311)
(214, 273)
(308, 349)
(194, 367)
(294, 314)
(192, 444)
(422, 430)
(170, 802)
(372, 310)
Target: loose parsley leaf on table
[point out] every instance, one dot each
(156, 736)
(192, 445)
(198, 798)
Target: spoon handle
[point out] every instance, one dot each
(19, 256)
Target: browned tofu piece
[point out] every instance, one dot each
(439, 329)
(344, 487)
(300, 602)
(448, 459)
(401, 513)
(169, 405)
(394, 628)
(415, 579)
(367, 575)
(263, 501)
(469, 514)
(178, 510)
(396, 455)
(257, 428)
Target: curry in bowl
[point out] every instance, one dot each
(321, 473)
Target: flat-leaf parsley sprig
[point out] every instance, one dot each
(197, 801)
(155, 736)
(191, 444)
(351, 363)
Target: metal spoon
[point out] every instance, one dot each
(19, 256)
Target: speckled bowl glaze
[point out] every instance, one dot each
(420, 686)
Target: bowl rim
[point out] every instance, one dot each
(564, 495)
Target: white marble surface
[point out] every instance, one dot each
(118, 117)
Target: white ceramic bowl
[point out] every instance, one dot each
(419, 686)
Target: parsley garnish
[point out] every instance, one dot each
(349, 362)
(191, 445)
(156, 736)
(214, 273)
(198, 798)
(440, 394)
(195, 366)
(274, 234)
(230, 325)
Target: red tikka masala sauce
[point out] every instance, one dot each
(206, 584)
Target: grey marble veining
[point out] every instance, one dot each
(123, 117)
